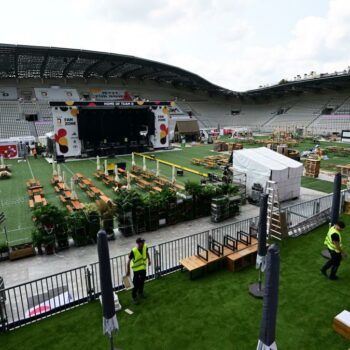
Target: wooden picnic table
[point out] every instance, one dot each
(77, 205)
(67, 194)
(79, 176)
(61, 185)
(105, 199)
(95, 190)
(87, 182)
(156, 188)
(38, 199)
(146, 183)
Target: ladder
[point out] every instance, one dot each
(274, 224)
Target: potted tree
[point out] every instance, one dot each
(49, 221)
(4, 251)
(94, 221)
(77, 227)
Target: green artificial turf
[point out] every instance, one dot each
(212, 312)
(14, 199)
(317, 184)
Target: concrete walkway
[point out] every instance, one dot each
(29, 269)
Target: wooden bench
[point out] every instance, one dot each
(202, 260)
(69, 208)
(242, 258)
(90, 194)
(62, 199)
(82, 186)
(193, 263)
(237, 252)
(106, 181)
(31, 204)
(157, 189)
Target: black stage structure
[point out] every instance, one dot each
(115, 128)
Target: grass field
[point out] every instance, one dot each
(14, 201)
(213, 312)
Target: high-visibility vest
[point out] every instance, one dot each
(328, 241)
(140, 260)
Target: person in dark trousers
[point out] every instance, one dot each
(138, 260)
(333, 242)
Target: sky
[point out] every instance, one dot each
(237, 44)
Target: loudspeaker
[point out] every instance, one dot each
(60, 159)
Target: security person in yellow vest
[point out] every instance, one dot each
(333, 242)
(138, 259)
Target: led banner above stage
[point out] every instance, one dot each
(110, 95)
(110, 104)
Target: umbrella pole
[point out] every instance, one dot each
(260, 278)
(257, 289)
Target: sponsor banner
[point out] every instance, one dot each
(161, 123)
(110, 95)
(8, 93)
(56, 94)
(9, 150)
(65, 123)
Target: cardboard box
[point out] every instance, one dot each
(341, 324)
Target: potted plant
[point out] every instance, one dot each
(77, 225)
(37, 239)
(4, 251)
(49, 220)
(94, 219)
(126, 201)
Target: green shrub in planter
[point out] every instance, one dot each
(77, 225)
(94, 221)
(37, 239)
(4, 251)
(49, 221)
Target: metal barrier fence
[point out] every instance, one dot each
(31, 301)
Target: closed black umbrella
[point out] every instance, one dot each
(110, 323)
(336, 199)
(335, 207)
(256, 289)
(267, 338)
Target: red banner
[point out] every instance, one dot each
(9, 150)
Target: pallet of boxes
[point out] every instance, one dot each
(312, 167)
(224, 207)
(220, 146)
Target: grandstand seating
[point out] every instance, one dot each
(324, 112)
(299, 115)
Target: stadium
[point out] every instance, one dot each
(94, 141)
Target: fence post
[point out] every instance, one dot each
(89, 288)
(3, 318)
(157, 263)
(316, 207)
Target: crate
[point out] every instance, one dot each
(312, 167)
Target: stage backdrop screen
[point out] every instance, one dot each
(114, 125)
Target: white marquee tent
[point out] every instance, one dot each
(262, 164)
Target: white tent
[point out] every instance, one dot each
(260, 166)
(296, 169)
(290, 188)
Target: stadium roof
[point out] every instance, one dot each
(335, 81)
(30, 62)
